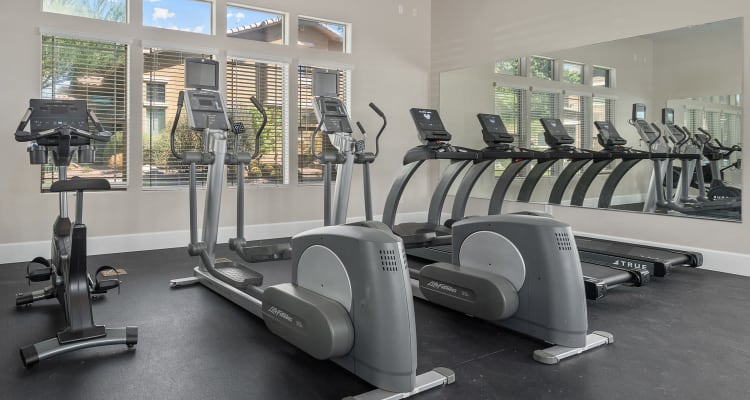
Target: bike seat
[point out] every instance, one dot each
(80, 184)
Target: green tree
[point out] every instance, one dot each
(109, 10)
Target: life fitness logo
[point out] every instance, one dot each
(276, 312)
(442, 287)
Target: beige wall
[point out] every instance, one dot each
(490, 30)
(390, 68)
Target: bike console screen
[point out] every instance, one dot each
(50, 114)
(429, 125)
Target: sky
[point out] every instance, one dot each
(195, 16)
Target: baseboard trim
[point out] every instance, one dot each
(25, 251)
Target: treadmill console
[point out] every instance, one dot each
(494, 132)
(608, 135)
(429, 126)
(205, 109)
(555, 133)
(332, 113)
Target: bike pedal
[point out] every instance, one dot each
(40, 274)
(105, 285)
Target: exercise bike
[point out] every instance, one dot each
(60, 127)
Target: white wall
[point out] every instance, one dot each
(490, 30)
(390, 60)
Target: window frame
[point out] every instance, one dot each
(125, 17)
(553, 68)
(284, 22)
(211, 32)
(286, 110)
(609, 81)
(582, 66)
(123, 121)
(347, 38)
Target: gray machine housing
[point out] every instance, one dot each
(537, 291)
(357, 331)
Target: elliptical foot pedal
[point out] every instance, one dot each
(438, 377)
(238, 275)
(555, 354)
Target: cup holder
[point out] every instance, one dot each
(86, 154)
(37, 154)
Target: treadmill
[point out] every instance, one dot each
(435, 146)
(624, 256)
(614, 145)
(560, 148)
(597, 279)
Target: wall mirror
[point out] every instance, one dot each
(695, 71)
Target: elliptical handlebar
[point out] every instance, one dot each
(180, 103)
(382, 127)
(262, 112)
(312, 141)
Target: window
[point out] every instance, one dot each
(574, 120)
(603, 109)
(181, 15)
(572, 72)
(96, 72)
(541, 105)
(267, 82)
(160, 168)
(601, 77)
(509, 67)
(110, 10)
(509, 106)
(310, 169)
(317, 34)
(253, 24)
(542, 68)
(156, 92)
(156, 120)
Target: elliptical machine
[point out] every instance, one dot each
(61, 127)
(345, 295)
(521, 272)
(715, 151)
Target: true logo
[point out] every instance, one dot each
(629, 264)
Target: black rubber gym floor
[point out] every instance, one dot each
(683, 337)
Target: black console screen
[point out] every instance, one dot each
(556, 130)
(428, 120)
(50, 114)
(493, 129)
(429, 126)
(608, 134)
